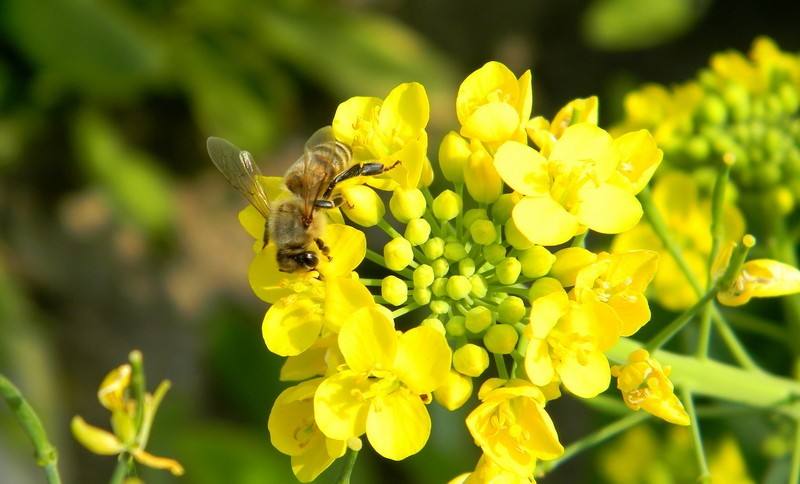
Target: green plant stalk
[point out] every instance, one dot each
(502, 372)
(699, 451)
(349, 465)
(666, 333)
(120, 471)
(592, 439)
(794, 475)
(46, 454)
(718, 380)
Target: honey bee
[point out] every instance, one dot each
(292, 224)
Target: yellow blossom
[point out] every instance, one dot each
(512, 427)
(293, 431)
(645, 384)
(493, 105)
(545, 133)
(761, 278)
(128, 436)
(620, 280)
(567, 340)
(488, 472)
(385, 384)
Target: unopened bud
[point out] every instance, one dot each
(455, 326)
(501, 339)
(515, 237)
(501, 209)
(479, 286)
(362, 205)
(454, 392)
(407, 204)
(458, 287)
(543, 287)
(394, 290)
(423, 275)
(454, 153)
(433, 248)
(454, 251)
(508, 270)
(447, 205)
(440, 267)
(569, 262)
(421, 295)
(510, 310)
(398, 254)
(439, 307)
(434, 323)
(466, 267)
(471, 360)
(478, 319)
(536, 261)
(483, 232)
(494, 253)
(418, 231)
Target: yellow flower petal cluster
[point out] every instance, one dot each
(131, 421)
(761, 278)
(645, 384)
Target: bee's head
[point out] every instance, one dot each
(305, 260)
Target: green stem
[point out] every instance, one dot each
(795, 472)
(580, 240)
(46, 455)
(460, 217)
(736, 348)
(349, 465)
(718, 380)
(700, 454)
(678, 323)
(704, 338)
(137, 386)
(500, 363)
(120, 471)
(405, 309)
(593, 439)
(373, 256)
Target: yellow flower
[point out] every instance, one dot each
(115, 395)
(619, 281)
(493, 105)
(645, 384)
(571, 189)
(687, 216)
(292, 431)
(545, 133)
(761, 278)
(388, 130)
(512, 427)
(567, 340)
(383, 389)
(488, 472)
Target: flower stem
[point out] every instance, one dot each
(349, 465)
(736, 348)
(795, 469)
(500, 363)
(700, 454)
(405, 309)
(120, 471)
(593, 439)
(666, 333)
(46, 455)
(373, 256)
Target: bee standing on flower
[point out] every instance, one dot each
(312, 179)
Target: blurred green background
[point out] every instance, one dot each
(117, 233)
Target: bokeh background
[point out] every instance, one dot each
(117, 233)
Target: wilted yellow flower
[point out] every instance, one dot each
(761, 278)
(488, 472)
(129, 436)
(512, 427)
(384, 387)
(645, 384)
(294, 432)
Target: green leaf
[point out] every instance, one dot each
(638, 24)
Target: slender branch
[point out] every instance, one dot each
(666, 333)
(120, 471)
(699, 451)
(500, 363)
(46, 455)
(736, 348)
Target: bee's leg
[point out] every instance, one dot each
(332, 203)
(362, 169)
(266, 234)
(324, 248)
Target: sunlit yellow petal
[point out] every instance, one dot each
(584, 142)
(538, 364)
(398, 425)
(405, 111)
(543, 221)
(586, 374)
(368, 341)
(639, 158)
(97, 440)
(522, 168)
(150, 460)
(340, 407)
(423, 359)
(343, 297)
(492, 122)
(346, 120)
(609, 209)
(348, 246)
(292, 325)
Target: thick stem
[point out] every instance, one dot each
(349, 465)
(46, 455)
(718, 380)
(120, 471)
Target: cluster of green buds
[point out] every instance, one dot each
(739, 110)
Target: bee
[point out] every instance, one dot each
(292, 224)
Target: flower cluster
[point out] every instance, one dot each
(491, 271)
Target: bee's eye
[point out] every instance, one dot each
(308, 259)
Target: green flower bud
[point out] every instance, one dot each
(362, 205)
(501, 209)
(466, 267)
(394, 290)
(478, 319)
(501, 339)
(454, 153)
(418, 231)
(515, 237)
(471, 360)
(508, 270)
(511, 310)
(455, 326)
(439, 307)
(536, 261)
(435, 324)
(433, 248)
(447, 205)
(483, 232)
(423, 275)
(398, 254)
(713, 110)
(479, 286)
(454, 251)
(494, 253)
(421, 295)
(543, 287)
(407, 204)
(474, 214)
(439, 287)
(458, 287)
(440, 267)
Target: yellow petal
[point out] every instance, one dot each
(268, 283)
(112, 389)
(492, 78)
(582, 110)
(292, 325)
(483, 182)
(252, 222)
(340, 409)
(343, 297)
(669, 408)
(543, 221)
(309, 363)
(405, 111)
(313, 462)
(584, 142)
(398, 424)
(368, 341)
(525, 95)
(97, 440)
(492, 122)
(348, 246)
(608, 209)
(291, 420)
(546, 311)
(570, 262)
(771, 278)
(633, 310)
(423, 359)
(538, 364)
(522, 168)
(455, 391)
(639, 158)
(586, 375)
(349, 116)
(150, 460)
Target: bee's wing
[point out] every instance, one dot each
(323, 135)
(240, 170)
